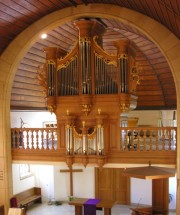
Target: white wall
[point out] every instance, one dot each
(44, 178)
(32, 119)
(172, 190)
(146, 117)
(141, 191)
(20, 185)
(83, 182)
(151, 118)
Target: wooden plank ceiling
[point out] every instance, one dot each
(157, 88)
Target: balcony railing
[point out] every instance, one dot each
(34, 138)
(148, 138)
(135, 145)
(136, 139)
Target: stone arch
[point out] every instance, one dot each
(9, 60)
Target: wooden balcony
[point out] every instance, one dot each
(138, 145)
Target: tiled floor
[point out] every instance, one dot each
(65, 209)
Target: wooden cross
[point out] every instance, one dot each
(70, 170)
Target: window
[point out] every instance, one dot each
(25, 171)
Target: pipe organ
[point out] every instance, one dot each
(88, 89)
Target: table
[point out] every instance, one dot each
(79, 202)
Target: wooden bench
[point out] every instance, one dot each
(23, 199)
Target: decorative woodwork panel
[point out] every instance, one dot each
(160, 191)
(113, 137)
(61, 135)
(105, 183)
(111, 185)
(121, 187)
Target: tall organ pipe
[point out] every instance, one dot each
(51, 79)
(123, 65)
(85, 56)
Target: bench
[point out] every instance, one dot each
(23, 199)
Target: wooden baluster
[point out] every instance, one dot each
(52, 135)
(158, 137)
(132, 140)
(47, 139)
(154, 134)
(55, 139)
(37, 139)
(146, 139)
(144, 147)
(28, 139)
(175, 138)
(173, 144)
(125, 139)
(128, 140)
(150, 140)
(44, 139)
(32, 139)
(23, 138)
(135, 140)
(18, 139)
(121, 140)
(41, 136)
(170, 139)
(167, 137)
(138, 140)
(163, 137)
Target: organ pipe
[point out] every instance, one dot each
(69, 133)
(85, 56)
(68, 78)
(100, 133)
(51, 78)
(75, 70)
(69, 147)
(105, 76)
(123, 65)
(100, 139)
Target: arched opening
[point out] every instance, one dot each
(9, 60)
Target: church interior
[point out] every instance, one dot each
(89, 105)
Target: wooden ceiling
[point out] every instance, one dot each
(156, 90)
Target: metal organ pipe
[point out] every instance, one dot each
(123, 65)
(105, 76)
(85, 56)
(51, 78)
(68, 78)
(69, 139)
(100, 139)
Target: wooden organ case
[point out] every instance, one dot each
(88, 89)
